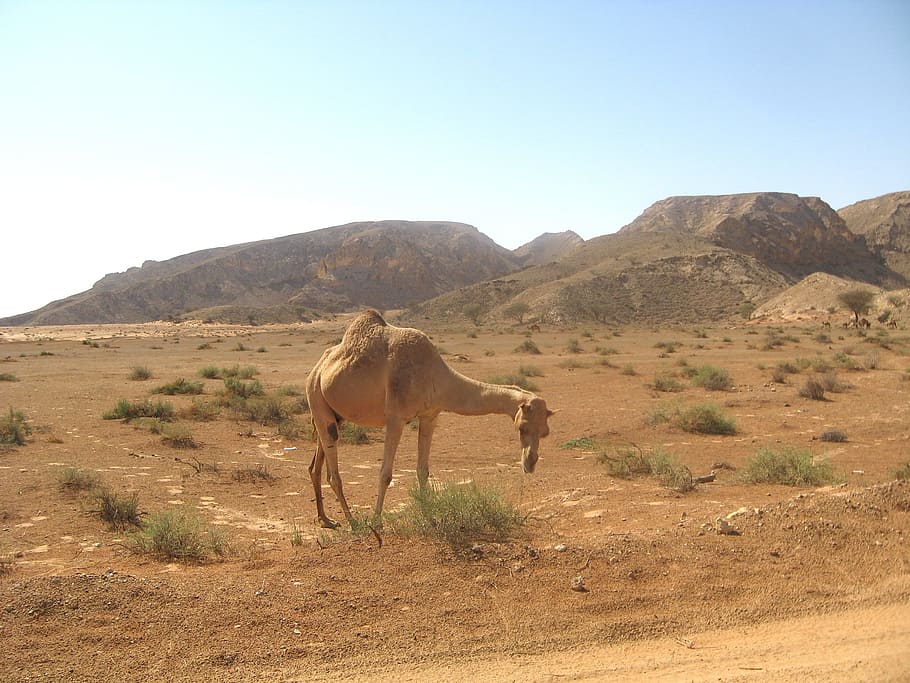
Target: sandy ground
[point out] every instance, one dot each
(814, 584)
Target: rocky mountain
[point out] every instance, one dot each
(632, 278)
(385, 264)
(884, 222)
(794, 235)
(550, 246)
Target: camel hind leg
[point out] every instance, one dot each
(316, 477)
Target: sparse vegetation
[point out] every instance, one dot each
(584, 442)
(518, 379)
(179, 436)
(789, 466)
(813, 388)
(666, 382)
(180, 535)
(713, 379)
(140, 373)
(633, 461)
(120, 512)
(8, 377)
(903, 472)
(14, 428)
(833, 436)
(705, 418)
(253, 474)
(76, 479)
(528, 346)
(458, 514)
(130, 410)
(354, 434)
(179, 386)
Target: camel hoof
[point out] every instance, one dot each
(327, 523)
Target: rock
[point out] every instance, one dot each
(725, 528)
(560, 547)
(578, 585)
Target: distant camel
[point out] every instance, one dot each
(534, 328)
(381, 375)
(892, 324)
(865, 324)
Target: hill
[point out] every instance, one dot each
(550, 246)
(385, 264)
(884, 222)
(793, 235)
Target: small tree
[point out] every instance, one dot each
(517, 310)
(859, 301)
(473, 312)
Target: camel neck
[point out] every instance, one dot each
(468, 396)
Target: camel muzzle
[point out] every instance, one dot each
(528, 460)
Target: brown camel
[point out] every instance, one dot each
(384, 376)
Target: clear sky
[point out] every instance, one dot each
(144, 130)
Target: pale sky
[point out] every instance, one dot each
(145, 130)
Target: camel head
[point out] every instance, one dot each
(531, 421)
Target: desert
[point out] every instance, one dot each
(609, 575)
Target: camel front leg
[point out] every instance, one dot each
(424, 439)
(328, 437)
(393, 429)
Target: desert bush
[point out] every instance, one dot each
(713, 379)
(264, 410)
(789, 466)
(8, 377)
(253, 474)
(813, 389)
(179, 386)
(179, 535)
(667, 346)
(831, 382)
(571, 364)
(237, 388)
(530, 371)
(210, 372)
(354, 434)
(528, 346)
(833, 436)
(458, 514)
(903, 472)
(516, 379)
(583, 442)
(120, 512)
(705, 418)
(629, 369)
(200, 411)
(140, 373)
(629, 462)
(179, 436)
(14, 428)
(291, 429)
(131, 410)
(666, 383)
(77, 479)
(573, 346)
(240, 372)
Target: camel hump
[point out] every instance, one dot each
(365, 335)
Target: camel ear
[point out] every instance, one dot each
(551, 413)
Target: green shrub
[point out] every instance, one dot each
(626, 463)
(834, 436)
(210, 372)
(179, 535)
(354, 434)
(234, 387)
(584, 442)
(903, 472)
(573, 346)
(789, 466)
(200, 411)
(705, 418)
(178, 436)
(130, 410)
(118, 511)
(518, 380)
(76, 479)
(713, 379)
(666, 383)
(14, 428)
(140, 373)
(528, 346)
(264, 410)
(458, 514)
(813, 389)
(253, 474)
(179, 386)
(8, 377)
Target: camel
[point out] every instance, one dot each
(384, 376)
